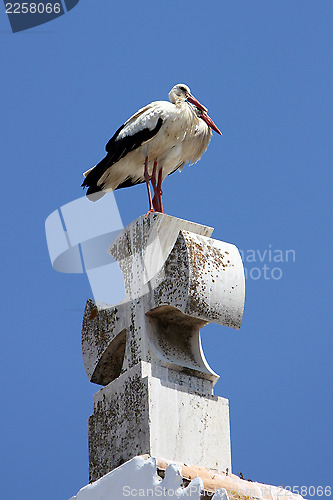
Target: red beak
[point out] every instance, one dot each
(190, 98)
(210, 122)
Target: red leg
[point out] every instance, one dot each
(159, 190)
(151, 208)
(153, 183)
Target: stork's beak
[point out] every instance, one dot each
(210, 122)
(190, 98)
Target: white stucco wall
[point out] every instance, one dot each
(138, 478)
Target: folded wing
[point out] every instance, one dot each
(135, 132)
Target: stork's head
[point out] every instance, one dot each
(181, 93)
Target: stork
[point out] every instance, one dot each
(155, 142)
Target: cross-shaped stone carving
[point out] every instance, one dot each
(177, 279)
(146, 350)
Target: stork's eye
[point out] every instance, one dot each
(183, 89)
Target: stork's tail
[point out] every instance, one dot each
(92, 176)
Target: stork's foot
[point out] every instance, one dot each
(157, 200)
(151, 211)
(155, 204)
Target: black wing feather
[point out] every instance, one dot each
(116, 150)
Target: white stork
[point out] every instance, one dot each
(156, 141)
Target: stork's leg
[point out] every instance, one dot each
(151, 208)
(153, 183)
(159, 190)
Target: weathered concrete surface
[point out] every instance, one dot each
(142, 414)
(147, 349)
(176, 282)
(173, 261)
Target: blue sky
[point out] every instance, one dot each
(264, 70)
